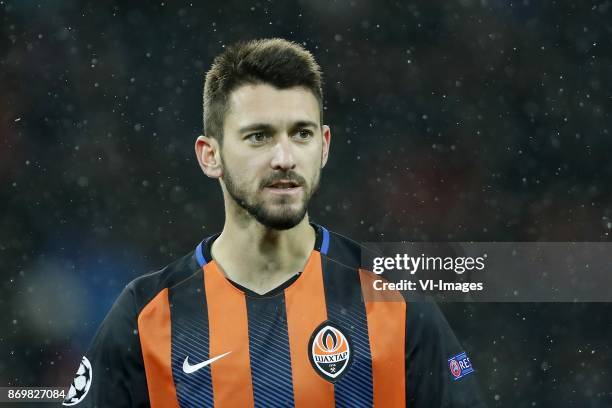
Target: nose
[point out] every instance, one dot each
(283, 158)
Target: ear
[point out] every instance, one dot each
(208, 153)
(326, 142)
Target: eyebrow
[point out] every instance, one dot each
(255, 126)
(268, 127)
(306, 123)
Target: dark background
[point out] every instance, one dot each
(462, 120)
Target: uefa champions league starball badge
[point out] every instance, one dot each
(80, 385)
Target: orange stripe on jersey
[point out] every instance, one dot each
(229, 332)
(386, 315)
(155, 334)
(306, 309)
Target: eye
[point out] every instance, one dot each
(258, 137)
(304, 134)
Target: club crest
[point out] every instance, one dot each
(330, 351)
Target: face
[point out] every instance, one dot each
(272, 153)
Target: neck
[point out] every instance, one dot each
(260, 258)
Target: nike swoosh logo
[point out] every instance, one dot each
(188, 368)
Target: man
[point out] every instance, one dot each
(271, 311)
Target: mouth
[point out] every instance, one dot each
(284, 187)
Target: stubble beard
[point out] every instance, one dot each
(282, 219)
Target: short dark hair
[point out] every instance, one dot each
(275, 61)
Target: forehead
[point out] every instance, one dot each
(263, 103)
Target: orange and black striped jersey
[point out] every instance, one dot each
(186, 336)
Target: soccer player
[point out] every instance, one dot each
(270, 312)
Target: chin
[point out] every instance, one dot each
(281, 225)
(283, 221)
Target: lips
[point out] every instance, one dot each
(285, 188)
(284, 184)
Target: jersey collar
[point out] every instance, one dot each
(203, 256)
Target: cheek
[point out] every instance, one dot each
(316, 158)
(244, 171)
(313, 171)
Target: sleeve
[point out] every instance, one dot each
(111, 374)
(438, 372)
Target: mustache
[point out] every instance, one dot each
(286, 175)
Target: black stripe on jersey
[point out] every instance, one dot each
(344, 251)
(346, 308)
(269, 351)
(189, 317)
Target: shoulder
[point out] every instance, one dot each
(343, 250)
(344, 272)
(144, 288)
